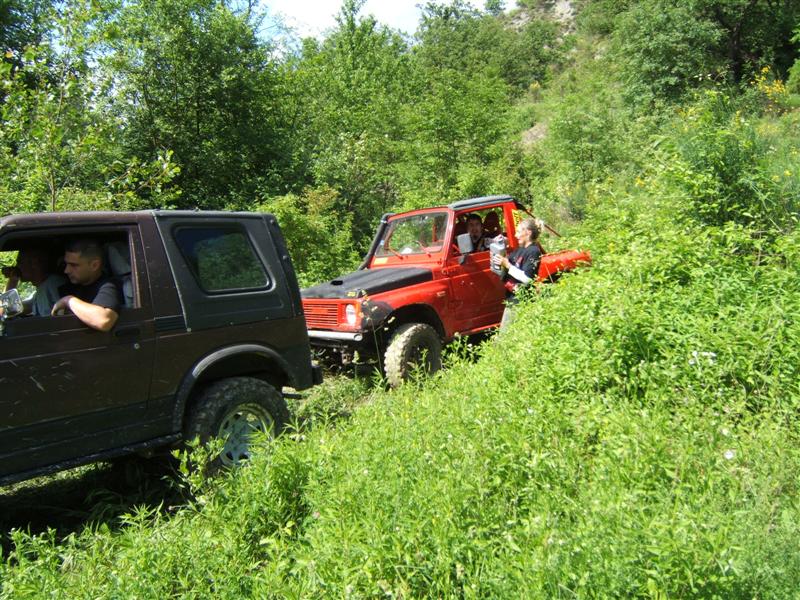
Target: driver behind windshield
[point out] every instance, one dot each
(476, 234)
(33, 265)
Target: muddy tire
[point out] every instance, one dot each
(233, 410)
(412, 346)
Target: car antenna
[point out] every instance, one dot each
(546, 226)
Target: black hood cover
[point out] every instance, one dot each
(368, 282)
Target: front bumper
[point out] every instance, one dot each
(319, 335)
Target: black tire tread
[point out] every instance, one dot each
(221, 396)
(406, 337)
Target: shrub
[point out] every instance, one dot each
(721, 164)
(665, 49)
(318, 236)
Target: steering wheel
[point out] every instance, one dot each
(407, 249)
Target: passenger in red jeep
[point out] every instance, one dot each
(90, 295)
(522, 265)
(475, 230)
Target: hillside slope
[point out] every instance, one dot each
(636, 434)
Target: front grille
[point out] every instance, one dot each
(321, 314)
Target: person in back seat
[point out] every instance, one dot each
(33, 264)
(90, 295)
(491, 225)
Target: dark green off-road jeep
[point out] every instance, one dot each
(210, 333)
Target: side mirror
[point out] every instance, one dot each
(464, 243)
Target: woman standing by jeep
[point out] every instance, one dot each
(522, 265)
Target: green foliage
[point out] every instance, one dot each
(755, 33)
(458, 118)
(587, 139)
(793, 80)
(665, 50)
(58, 147)
(634, 435)
(318, 238)
(23, 23)
(629, 437)
(600, 16)
(456, 37)
(192, 77)
(349, 96)
(337, 398)
(723, 164)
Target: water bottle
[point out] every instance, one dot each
(497, 247)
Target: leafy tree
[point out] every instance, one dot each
(318, 237)
(600, 16)
(22, 24)
(754, 32)
(448, 36)
(456, 36)
(664, 49)
(193, 77)
(59, 145)
(458, 118)
(667, 48)
(350, 91)
(494, 7)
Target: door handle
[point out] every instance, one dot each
(129, 331)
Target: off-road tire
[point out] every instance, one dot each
(407, 346)
(236, 406)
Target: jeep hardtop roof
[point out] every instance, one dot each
(111, 217)
(458, 205)
(482, 201)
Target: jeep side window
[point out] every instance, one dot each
(221, 259)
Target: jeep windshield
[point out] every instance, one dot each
(415, 234)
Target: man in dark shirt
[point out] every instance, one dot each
(89, 295)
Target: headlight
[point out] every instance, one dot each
(350, 314)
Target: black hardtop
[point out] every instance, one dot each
(477, 203)
(54, 219)
(209, 214)
(50, 219)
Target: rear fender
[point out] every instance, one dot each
(558, 262)
(244, 359)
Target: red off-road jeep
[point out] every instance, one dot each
(415, 289)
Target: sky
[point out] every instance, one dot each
(313, 17)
